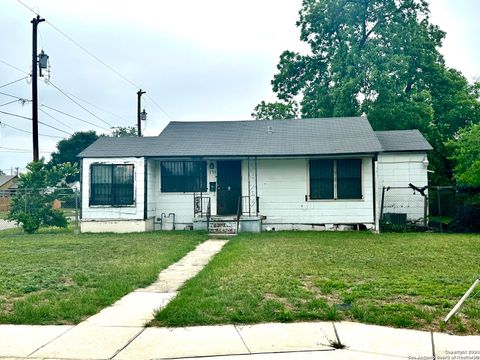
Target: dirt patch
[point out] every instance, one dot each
(272, 297)
(67, 281)
(308, 283)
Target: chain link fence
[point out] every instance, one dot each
(434, 208)
(66, 200)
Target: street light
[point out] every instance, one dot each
(143, 115)
(42, 61)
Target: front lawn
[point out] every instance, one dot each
(59, 278)
(404, 280)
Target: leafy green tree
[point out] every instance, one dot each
(466, 156)
(275, 111)
(379, 58)
(32, 205)
(121, 131)
(68, 149)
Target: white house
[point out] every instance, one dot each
(248, 175)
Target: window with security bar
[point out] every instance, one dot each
(335, 179)
(112, 184)
(183, 176)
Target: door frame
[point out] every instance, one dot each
(222, 198)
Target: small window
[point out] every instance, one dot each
(183, 176)
(321, 179)
(111, 184)
(335, 179)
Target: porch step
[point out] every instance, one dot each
(221, 236)
(222, 225)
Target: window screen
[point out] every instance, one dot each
(336, 179)
(183, 176)
(111, 184)
(321, 179)
(349, 179)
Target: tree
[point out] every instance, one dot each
(68, 149)
(379, 58)
(121, 131)
(32, 205)
(466, 156)
(275, 111)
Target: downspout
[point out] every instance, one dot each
(374, 182)
(81, 187)
(257, 210)
(145, 185)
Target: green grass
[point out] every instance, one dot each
(440, 219)
(408, 280)
(55, 277)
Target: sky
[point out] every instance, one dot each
(197, 61)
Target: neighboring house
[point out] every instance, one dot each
(282, 174)
(8, 186)
(8, 182)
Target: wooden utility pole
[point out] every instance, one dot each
(35, 23)
(139, 120)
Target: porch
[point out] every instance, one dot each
(214, 194)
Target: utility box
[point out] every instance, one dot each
(397, 219)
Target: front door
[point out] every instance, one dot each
(229, 186)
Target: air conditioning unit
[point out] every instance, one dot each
(398, 219)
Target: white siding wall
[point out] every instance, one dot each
(102, 212)
(398, 170)
(153, 187)
(283, 184)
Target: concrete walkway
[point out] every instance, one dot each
(118, 332)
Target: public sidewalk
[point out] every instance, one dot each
(309, 340)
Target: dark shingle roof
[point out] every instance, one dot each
(239, 138)
(403, 140)
(328, 136)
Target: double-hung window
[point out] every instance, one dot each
(183, 176)
(112, 184)
(335, 179)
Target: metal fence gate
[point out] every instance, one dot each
(436, 208)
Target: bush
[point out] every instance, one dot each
(32, 205)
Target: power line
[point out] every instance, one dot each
(51, 108)
(158, 106)
(83, 48)
(98, 59)
(54, 118)
(9, 102)
(14, 96)
(16, 115)
(7, 149)
(99, 108)
(77, 103)
(14, 67)
(74, 117)
(40, 122)
(13, 82)
(28, 132)
(59, 111)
